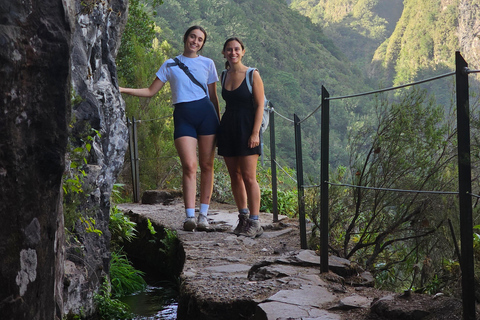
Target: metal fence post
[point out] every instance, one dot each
(273, 166)
(132, 158)
(134, 161)
(301, 200)
(465, 188)
(324, 151)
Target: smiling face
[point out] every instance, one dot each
(233, 51)
(194, 41)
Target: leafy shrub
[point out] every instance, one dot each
(125, 279)
(108, 308)
(121, 227)
(287, 202)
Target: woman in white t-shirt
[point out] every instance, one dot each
(196, 119)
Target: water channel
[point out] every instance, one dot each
(157, 302)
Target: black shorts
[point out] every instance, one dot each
(195, 118)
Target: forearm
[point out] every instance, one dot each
(212, 92)
(143, 92)
(258, 120)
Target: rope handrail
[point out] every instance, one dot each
(393, 88)
(282, 116)
(387, 189)
(311, 114)
(379, 91)
(278, 165)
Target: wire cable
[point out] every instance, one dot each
(393, 88)
(396, 190)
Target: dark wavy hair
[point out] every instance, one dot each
(185, 36)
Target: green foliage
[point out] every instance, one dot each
(119, 194)
(140, 55)
(357, 27)
(89, 224)
(421, 43)
(287, 202)
(125, 279)
(121, 228)
(109, 308)
(222, 191)
(393, 234)
(139, 32)
(74, 195)
(169, 241)
(150, 227)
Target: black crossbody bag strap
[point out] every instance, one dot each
(182, 66)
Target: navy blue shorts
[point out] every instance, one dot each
(195, 118)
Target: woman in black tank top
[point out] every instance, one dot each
(239, 136)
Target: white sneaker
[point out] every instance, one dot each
(189, 224)
(202, 222)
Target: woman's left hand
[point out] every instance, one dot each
(254, 141)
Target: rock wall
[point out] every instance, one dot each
(34, 108)
(97, 107)
(58, 81)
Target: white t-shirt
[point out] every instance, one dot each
(183, 89)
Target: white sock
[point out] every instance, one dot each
(190, 212)
(204, 209)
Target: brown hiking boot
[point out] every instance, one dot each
(242, 223)
(253, 229)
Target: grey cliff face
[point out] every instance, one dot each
(95, 40)
(50, 51)
(34, 111)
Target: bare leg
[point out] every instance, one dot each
(187, 151)
(206, 155)
(236, 180)
(248, 169)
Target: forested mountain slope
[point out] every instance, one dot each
(420, 37)
(358, 27)
(293, 55)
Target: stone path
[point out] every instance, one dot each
(268, 278)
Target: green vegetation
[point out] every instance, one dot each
(74, 195)
(109, 308)
(402, 237)
(124, 278)
(121, 228)
(159, 166)
(357, 27)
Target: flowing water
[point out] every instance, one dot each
(155, 303)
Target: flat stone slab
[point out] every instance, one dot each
(353, 302)
(277, 311)
(314, 296)
(230, 268)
